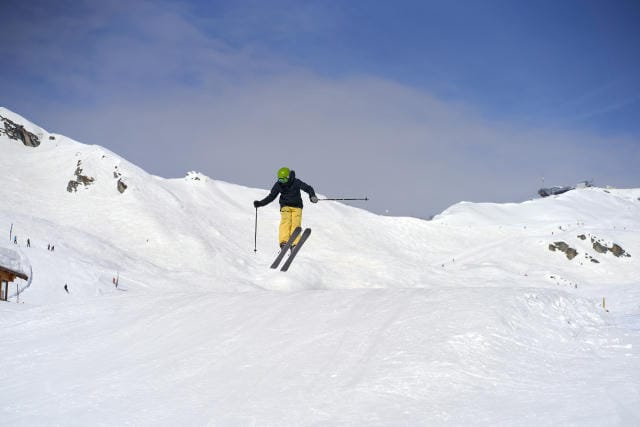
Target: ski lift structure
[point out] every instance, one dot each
(552, 191)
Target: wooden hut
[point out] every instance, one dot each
(8, 275)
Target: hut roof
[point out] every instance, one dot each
(14, 262)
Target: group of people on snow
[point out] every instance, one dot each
(50, 247)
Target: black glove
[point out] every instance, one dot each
(313, 199)
(256, 204)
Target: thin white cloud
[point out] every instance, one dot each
(608, 108)
(170, 97)
(408, 151)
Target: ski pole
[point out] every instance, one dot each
(255, 234)
(349, 198)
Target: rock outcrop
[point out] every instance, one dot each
(18, 132)
(80, 179)
(121, 184)
(570, 252)
(615, 249)
(597, 244)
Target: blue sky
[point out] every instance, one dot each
(417, 104)
(573, 62)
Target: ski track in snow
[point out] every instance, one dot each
(468, 319)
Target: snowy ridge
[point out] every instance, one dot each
(587, 207)
(470, 318)
(31, 127)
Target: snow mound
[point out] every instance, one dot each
(150, 305)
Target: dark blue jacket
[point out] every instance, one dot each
(289, 192)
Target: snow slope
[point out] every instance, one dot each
(466, 319)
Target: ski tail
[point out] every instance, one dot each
(296, 249)
(285, 248)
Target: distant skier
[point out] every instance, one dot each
(28, 242)
(66, 288)
(15, 240)
(288, 186)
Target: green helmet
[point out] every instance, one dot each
(283, 174)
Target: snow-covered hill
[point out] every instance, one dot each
(476, 317)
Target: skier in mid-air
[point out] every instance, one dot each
(288, 186)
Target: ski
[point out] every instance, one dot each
(294, 251)
(286, 247)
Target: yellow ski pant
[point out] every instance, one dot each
(290, 219)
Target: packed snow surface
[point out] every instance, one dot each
(473, 318)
